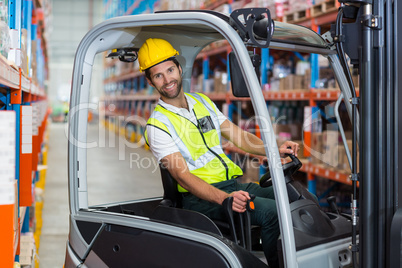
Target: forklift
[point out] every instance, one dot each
(153, 232)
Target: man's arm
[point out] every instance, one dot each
(250, 143)
(177, 167)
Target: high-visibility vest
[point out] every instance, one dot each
(200, 144)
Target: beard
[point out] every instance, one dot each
(173, 94)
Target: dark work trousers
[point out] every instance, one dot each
(264, 214)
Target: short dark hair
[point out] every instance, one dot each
(148, 73)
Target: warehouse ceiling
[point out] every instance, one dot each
(69, 22)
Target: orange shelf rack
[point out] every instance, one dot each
(22, 93)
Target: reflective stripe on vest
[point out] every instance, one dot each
(200, 145)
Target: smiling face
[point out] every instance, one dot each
(166, 78)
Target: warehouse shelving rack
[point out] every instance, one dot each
(136, 101)
(314, 17)
(23, 93)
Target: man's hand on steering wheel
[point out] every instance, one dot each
(284, 148)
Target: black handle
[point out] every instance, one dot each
(250, 203)
(227, 208)
(332, 204)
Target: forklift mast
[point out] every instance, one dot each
(373, 45)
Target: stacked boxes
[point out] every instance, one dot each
(297, 5)
(198, 85)
(330, 140)
(295, 82)
(7, 157)
(34, 64)
(220, 82)
(291, 131)
(327, 150)
(4, 29)
(24, 51)
(8, 188)
(316, 149)
(300, 80)
(217, 84)
(27, 249)
(324, 148)
(14, 53)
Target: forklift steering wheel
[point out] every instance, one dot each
(288, 170)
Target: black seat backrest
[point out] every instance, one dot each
(170, 188)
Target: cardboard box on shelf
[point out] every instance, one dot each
(282, 84)
(294, 130)
(208, 85)
(297, 5)
(24, 51)
(15, 56)
(288, 82)
(307, 79)
(343, 163)
(330, 140)
(300, 153)
(278, 128)
(33, 71)
(355, 79)
(293, 81)
(316, 147)
(251, 170)
(220, 82)
(27, 249)
(274, 84)
(298, 82)
(348, 135)
(199, 84)
(349, 143)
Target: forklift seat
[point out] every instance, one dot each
(237, 226)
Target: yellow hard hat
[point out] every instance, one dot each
(154, 51)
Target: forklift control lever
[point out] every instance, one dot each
(250, 203)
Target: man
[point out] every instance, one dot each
(184, 133)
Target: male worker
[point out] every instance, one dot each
(184, 133)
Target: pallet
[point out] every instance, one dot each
(296, 16)
(324, 7)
